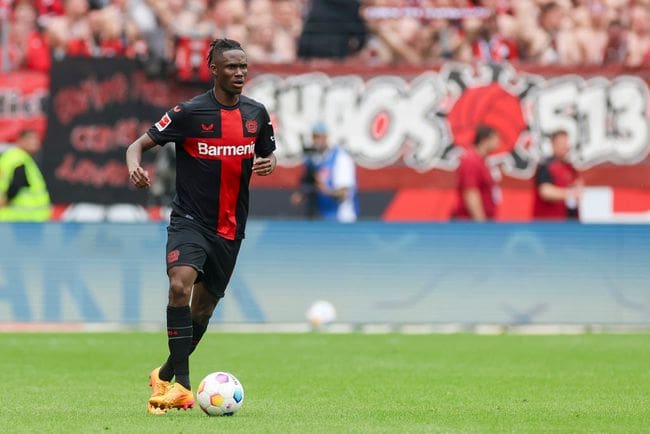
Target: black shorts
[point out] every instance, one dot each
(214, 257)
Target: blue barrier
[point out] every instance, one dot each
(371, 271)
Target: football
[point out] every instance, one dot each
(220, 394)
(321, 313)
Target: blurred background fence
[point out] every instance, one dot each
(372, 272)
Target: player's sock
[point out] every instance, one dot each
(166, 370)
(198, 330)
(179, 338)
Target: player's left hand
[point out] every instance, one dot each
(264, 166)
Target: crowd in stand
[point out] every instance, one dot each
(561, 32)
(175, 33)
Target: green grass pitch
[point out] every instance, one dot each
(336, 383)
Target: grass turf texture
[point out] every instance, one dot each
(327, 383)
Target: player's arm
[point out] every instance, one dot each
(138, 176)
(265, 161)
(474, 204)
(170, 128)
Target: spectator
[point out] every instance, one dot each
(328, 186)
(287, 16)
(267, 45)
(490, 46)
(417, 32)
(616, 48)
(477, 193)
(273, 31)
(74, 27)
(229, 13)
(638, 39)
(56, 35)
(106, 33)
(23, 194)
(558, 185)
(136, 24)
(26, 47)
(556, 44)
(49, 8)
(591, 33)
(402, 39)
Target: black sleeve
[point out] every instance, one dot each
(543, 175)
(171, 127)
(265, 143)
(18, 181)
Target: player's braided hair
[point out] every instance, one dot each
(218, 46)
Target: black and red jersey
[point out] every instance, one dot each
(215, 148)
(560, 174)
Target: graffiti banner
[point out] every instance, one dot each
(22, 101)
(96, 110)
(424, 122)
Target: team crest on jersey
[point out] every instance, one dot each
(251, 126)
(173, 256)
(163, 122)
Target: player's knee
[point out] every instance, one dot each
(179, 290)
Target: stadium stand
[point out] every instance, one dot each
(377, 32)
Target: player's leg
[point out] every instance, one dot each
(179, 321)
(218, 268)
(203, 304)
(186, 254)
(160, 378)
(179, 338)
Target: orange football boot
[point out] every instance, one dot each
(158, 388)
(176, 396)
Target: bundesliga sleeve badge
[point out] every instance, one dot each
(163, 122)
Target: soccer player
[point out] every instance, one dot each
(477, 193)
(558, 185)
(221, 138)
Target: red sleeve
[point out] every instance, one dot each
(468, 175)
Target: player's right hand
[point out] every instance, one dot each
(140, 178)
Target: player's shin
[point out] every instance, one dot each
(198, 330)
(179, 338)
